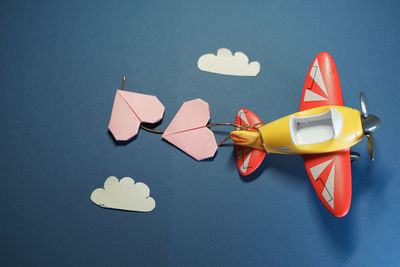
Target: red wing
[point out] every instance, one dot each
(322, 86)
(330, 175)
(248, 159)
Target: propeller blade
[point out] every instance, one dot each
(371, 146)
(364, 105)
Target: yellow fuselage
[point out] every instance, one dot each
(317, 130)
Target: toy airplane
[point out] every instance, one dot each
(322, 132)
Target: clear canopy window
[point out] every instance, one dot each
(316, 128)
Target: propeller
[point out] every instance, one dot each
(369, 123)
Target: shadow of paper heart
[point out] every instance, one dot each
(120, 143)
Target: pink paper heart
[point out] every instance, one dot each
(187, 130)
(129, 110)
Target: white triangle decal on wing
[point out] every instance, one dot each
(313, 70)
(311, 96)
(328, 192)
(318, 169)
(315, 73)
(243, 117)
(245, 163)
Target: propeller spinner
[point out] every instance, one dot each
(369, 123)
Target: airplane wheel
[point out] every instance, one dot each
(354, 156)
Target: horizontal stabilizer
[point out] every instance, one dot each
(247, 159)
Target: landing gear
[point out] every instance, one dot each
(354, 156)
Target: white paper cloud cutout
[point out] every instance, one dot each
(123, 194)
(226, 63)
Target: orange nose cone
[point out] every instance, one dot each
(358, 129)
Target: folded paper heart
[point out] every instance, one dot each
(129, 110)
(187, 130)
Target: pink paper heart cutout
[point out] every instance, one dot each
(187, 130)
(129, 110)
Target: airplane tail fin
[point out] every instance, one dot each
(248, 156)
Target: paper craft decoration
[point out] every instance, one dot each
(129, 110)
(226, 63)
(124, 194)
(187, 130)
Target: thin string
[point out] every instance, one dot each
(151, 130)
(241, 127)
(208, 126)
(223, 140)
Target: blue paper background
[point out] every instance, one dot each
(60, 64)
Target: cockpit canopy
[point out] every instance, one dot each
(316, 129)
